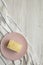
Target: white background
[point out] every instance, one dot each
(28, 14)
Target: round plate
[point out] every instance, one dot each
(9, 54)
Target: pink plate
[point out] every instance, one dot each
(9, 54)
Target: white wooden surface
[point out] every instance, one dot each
(28, 14)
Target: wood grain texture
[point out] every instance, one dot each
(28, 14)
